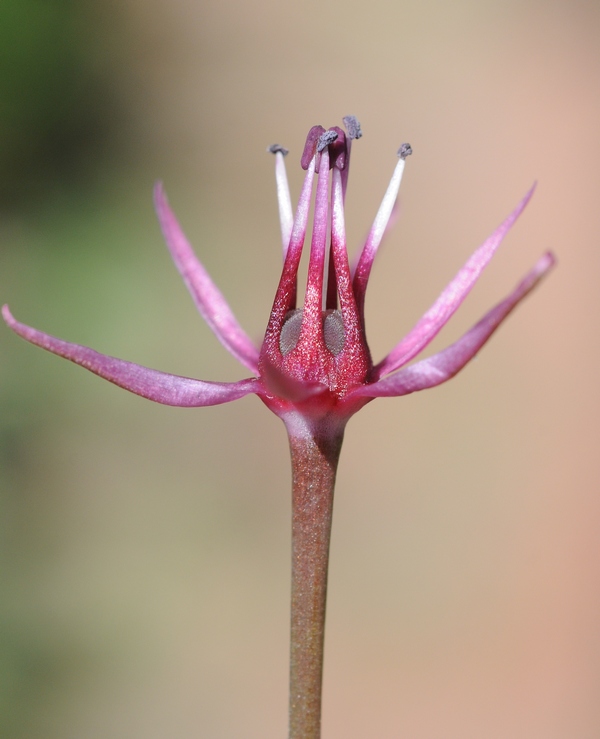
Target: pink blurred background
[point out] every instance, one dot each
(146, 549)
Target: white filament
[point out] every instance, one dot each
(284, 200)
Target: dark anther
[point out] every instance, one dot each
(352, 126)
(405, 151)
(278, 149)
(310, 146)
(326, 138)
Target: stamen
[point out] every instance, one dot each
(365, 262)
(352, 126)
(284, 200)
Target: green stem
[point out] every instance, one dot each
(314, 464)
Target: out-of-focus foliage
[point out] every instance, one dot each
(60, 121)
(54, 119)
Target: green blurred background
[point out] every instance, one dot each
(144, 550)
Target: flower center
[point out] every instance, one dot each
(334, 335)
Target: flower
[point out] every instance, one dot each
(314, 368)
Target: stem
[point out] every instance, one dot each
(314, 464)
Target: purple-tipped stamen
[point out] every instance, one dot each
(284, 200)
(380, 224)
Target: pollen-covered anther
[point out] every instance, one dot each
(352, 126)
(278, 149)
(334, 139)
(405, 151)
(334, 334)
(326, 138)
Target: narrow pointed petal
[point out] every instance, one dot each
(158, 386)
(208, 298)
(447, 363)
(449, 301)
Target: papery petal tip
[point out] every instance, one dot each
(208, 298)
(450, 299)
(443, 366)
(7, 315)
(546, 262)
(158, 191)
(161, 387)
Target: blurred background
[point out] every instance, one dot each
(144, 550)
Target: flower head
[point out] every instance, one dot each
(314, 366)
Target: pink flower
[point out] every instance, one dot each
(314, 368)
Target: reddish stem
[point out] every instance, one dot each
(314, 464)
